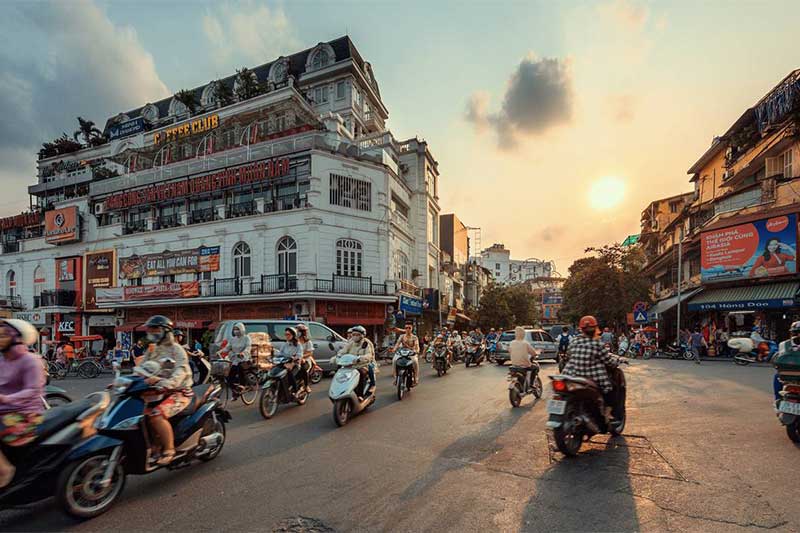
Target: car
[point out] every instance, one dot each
(327, 342)
(538, 338)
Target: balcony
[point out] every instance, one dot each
(372, 120)
(268, 284)
(408, 287)
(167, 221)
(10, 247)
(13, 301)
(203, 215)
(241, 209)
(57, 298)
(135, 226)
(350, 285)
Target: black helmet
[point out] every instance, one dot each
(159, 321)
(178, 333)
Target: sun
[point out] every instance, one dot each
(606, 193)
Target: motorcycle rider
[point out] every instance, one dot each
(21, 389)
(563, 339)
(358, 344)
(175, 377)
(522, 354)
(293, 350)
(792, 344)
(409, 341)
(238, 349)
(308, 354)
(588, 357)
(456, 342)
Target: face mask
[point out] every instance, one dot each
(155, 337)
(236, 333)
(796, 339)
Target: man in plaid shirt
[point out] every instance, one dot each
(588, 357)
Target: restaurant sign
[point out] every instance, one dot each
(223, 179)
(188, 289)
(203, 259)
(23, 220)
(186, 129)
(99, 268)
(61, 225)
(125, 129)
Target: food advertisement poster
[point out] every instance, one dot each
(203, 259)
(761, 249)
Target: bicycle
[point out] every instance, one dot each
(247, 392)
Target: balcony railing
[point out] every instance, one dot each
(242, 209)
(136, 226)
(11, 301)
(350, 285)
(10, 247)
(57, 298)
(406, 286)
(203, 215)
(272, 283)
(167, 221)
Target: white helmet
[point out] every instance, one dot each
(25, 331)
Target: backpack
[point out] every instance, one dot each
(563, 341)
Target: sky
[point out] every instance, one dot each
(554, 123)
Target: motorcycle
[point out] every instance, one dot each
(276, 389)
(749, 351)
(315, 374)
(350, 391)
(429, 353)
(475, 354)
(563, 357)
(677, 351)
(440, 362)
(405, 372)
(491, 349)
(95, 475)
(54, 396)
(518, 389)
(201, 368)
(458, 352)
(39, 462)
(576, 410)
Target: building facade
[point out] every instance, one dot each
(497, 259)
(276, 192)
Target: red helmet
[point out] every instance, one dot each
(587, 322)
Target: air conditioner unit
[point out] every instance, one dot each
(99, 208)
(120, 314)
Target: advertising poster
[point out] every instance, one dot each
(761, 249)
(61, 225)
(99, 268)
(66, 269)
(188, 289)
(204, 259)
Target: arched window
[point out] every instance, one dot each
(287, 256)
(241, 260)
(209, 96)
(348, 257)
(401, 266)
(177, 108)
(320, 59)
(11, 283)
(38, 281)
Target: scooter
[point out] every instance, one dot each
(201, 368)
(55, 396)
(440, 362)
(518, 389)
(95, 476)
(405, 372)
(749, 351)
(40, 461)
(458, 352)
(787, 407)
(677, 351)
(475, 354)
(491, 349)
(575, 411)
(350, 391)
(276, 389)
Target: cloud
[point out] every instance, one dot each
(627, 14)
(538, 97)
(551, 233)
(623, 107)
(248, 31)
(60, 62)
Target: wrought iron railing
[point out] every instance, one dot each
(57, 298)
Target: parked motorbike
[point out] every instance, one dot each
(440, 362)
(748, 351)
(39, 462)
(788, 407)
(475, 354)
(350, 391)
(677, 351)
(405, 372)
(576, 410)
(276, 389)
(95, 476)
(517, 387)
(563, 357)
(201, 368)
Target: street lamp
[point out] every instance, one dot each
(680, 265)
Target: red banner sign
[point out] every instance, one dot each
(22, 220)
(230, 177)
(189, 289)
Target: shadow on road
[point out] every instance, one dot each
(587, 492)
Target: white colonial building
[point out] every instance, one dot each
(275, 192)
(497, 259)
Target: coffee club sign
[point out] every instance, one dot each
(230, 177)
(187, 129)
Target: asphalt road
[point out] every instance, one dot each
(702, 452)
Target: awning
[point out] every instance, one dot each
(191, 324)
(463, 317)
(668, 303)
(752, 297)
(333, 320)
(131, 326)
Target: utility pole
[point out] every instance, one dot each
(680, 264)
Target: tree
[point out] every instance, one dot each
(65, 145)
(605, 285)
(188, 99)
(524, 308)
(222, 94)
(89, 133)
(247, 85)
(505, 307)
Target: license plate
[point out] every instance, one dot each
(790, 407)
(556, 407)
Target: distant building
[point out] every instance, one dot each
(497, 259)
(454, 239)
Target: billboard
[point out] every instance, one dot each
(761, 249)
(99, 269)
(61, 225)
(188, 289)
(203, 259)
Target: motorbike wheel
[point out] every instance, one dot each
(315, 376)
(79, 493)
(268, 403)
(88, 370)
(213, 425)
(301, 397)
(537, 387)
(341, 411)
(568, 437)
(439, 372)
(514, 396)
(688, 355)
(466, 363)
(249, 395)
(500, 362)
(401, 386)
(56, 398)
(742, 361)
(618, 425)
(793, 432)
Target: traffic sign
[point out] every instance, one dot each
(639, 306)
(640, 317)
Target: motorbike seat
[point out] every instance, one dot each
(583, 381)
(61, 416)
(522, 369)
(201, 393)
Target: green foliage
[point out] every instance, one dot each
(247, 85)
(506, 307)
(605, 285)
(222, 94)
(188, 99)
(89, 133)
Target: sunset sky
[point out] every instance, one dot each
(554, 123)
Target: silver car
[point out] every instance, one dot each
(537, 338)
(327, 342)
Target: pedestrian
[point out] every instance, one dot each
(138, 349)
(697, 343)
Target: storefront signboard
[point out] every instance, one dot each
(410, 304)
(22, 220)
(125, 129)
(99, 267)
(761, 249)
(34, 317)
(108, 295)
(192, 127)
(62, 225)
(203, 259)
(743, 305)
(188, 289)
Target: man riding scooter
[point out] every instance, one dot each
(409, 341)
(359, 344)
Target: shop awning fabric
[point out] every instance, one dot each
(668, 303)
(753, 297)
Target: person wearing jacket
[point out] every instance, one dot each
(238, 351)
(175, 377)
(21, 389)
(358, 344)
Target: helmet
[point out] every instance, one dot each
(294, 331)
(587, 322)
(159, 321)
(795, 327)
(607, 329)
(26, 333)
(360, 330)
(178, 333)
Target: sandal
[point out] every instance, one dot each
(166, 458)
